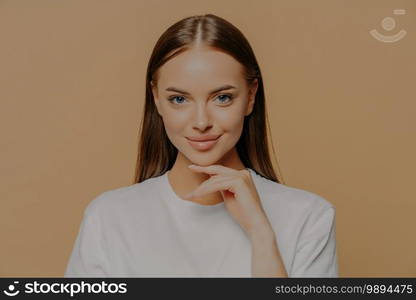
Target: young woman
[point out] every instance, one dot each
(206, 201)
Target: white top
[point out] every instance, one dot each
(146, 230)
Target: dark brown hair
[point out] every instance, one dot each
(156, 153)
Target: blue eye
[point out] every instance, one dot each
(173, 98)
(170, 99)
(226, 95)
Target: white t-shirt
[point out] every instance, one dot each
(147, 230)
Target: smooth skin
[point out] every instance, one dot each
(218, 174)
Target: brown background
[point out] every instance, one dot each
(341, 107)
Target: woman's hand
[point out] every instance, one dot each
(243, 204)
(240, 197)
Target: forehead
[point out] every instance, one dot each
(201, 67)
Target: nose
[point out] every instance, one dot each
(202, 119)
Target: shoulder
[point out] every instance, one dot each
(126, 198)
(284, 201)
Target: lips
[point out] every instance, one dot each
(203, 138)
(203, 143)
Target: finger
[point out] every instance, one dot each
(215, 186)
(211, 180)
(212, 170)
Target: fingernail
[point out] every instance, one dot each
(190, 166)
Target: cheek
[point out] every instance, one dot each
(230, 120)
(174, 121)
(231, 124)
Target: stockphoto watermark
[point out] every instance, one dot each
(388, 24)
(72, 288)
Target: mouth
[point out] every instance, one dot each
(205, 144)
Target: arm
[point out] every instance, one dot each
(88, 258)
(266, 260)
(316, 254)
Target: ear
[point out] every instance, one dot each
(252, 96)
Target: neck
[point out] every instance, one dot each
(183, 180)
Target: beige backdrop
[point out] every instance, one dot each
(341, 106)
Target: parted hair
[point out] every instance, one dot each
(156, 154)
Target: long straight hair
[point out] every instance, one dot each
(156, 154)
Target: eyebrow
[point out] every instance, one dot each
(224, 87)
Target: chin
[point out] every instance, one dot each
(203, 159)
(203, 162)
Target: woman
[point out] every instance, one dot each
(206, 201)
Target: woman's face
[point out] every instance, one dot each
(202, 92)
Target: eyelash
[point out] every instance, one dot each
(170, 99)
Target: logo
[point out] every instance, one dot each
(10, 291)
(388, 24)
